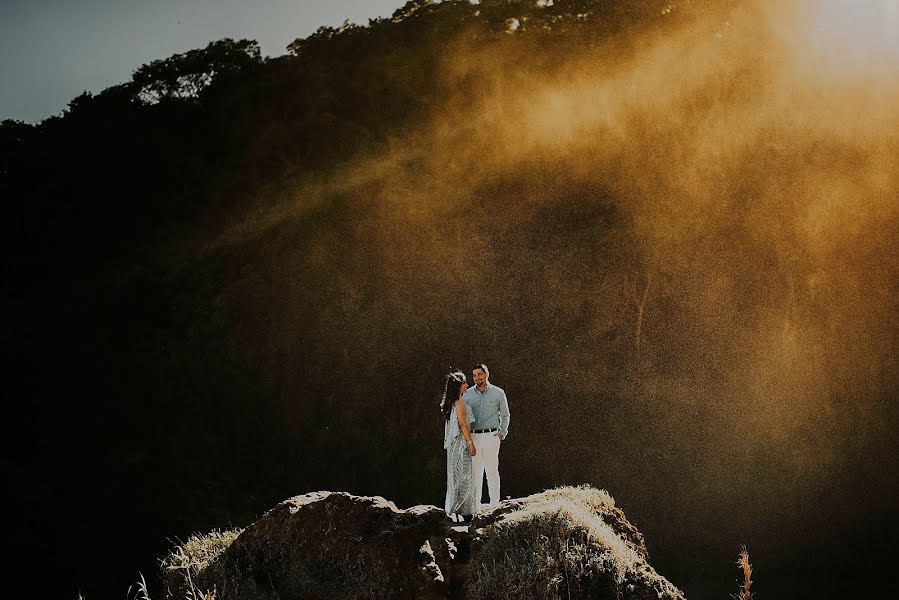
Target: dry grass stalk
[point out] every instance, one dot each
(743, 563)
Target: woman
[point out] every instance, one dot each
(460, 490)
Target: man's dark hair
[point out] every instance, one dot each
(482, 367)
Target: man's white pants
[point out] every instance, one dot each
(486, 460)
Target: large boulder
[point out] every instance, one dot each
(562, 543)
(566, 542)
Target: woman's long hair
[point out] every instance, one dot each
(454, 383)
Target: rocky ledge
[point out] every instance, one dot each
(570, 542)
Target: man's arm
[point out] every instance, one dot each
(504, 416)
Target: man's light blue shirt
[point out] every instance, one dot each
(491, 409)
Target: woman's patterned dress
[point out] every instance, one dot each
(460, 489)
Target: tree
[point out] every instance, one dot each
(185, 76)
(13, 137)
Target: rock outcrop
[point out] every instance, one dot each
(567, 542)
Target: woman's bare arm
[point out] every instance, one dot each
(463, 424)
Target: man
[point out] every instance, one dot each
(491, 426)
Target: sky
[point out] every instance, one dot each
(52, 50)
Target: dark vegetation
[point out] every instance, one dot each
(175, 371)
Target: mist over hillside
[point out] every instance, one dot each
(668, 228)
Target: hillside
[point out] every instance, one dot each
(666, 226)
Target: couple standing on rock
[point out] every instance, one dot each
(477, 421)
